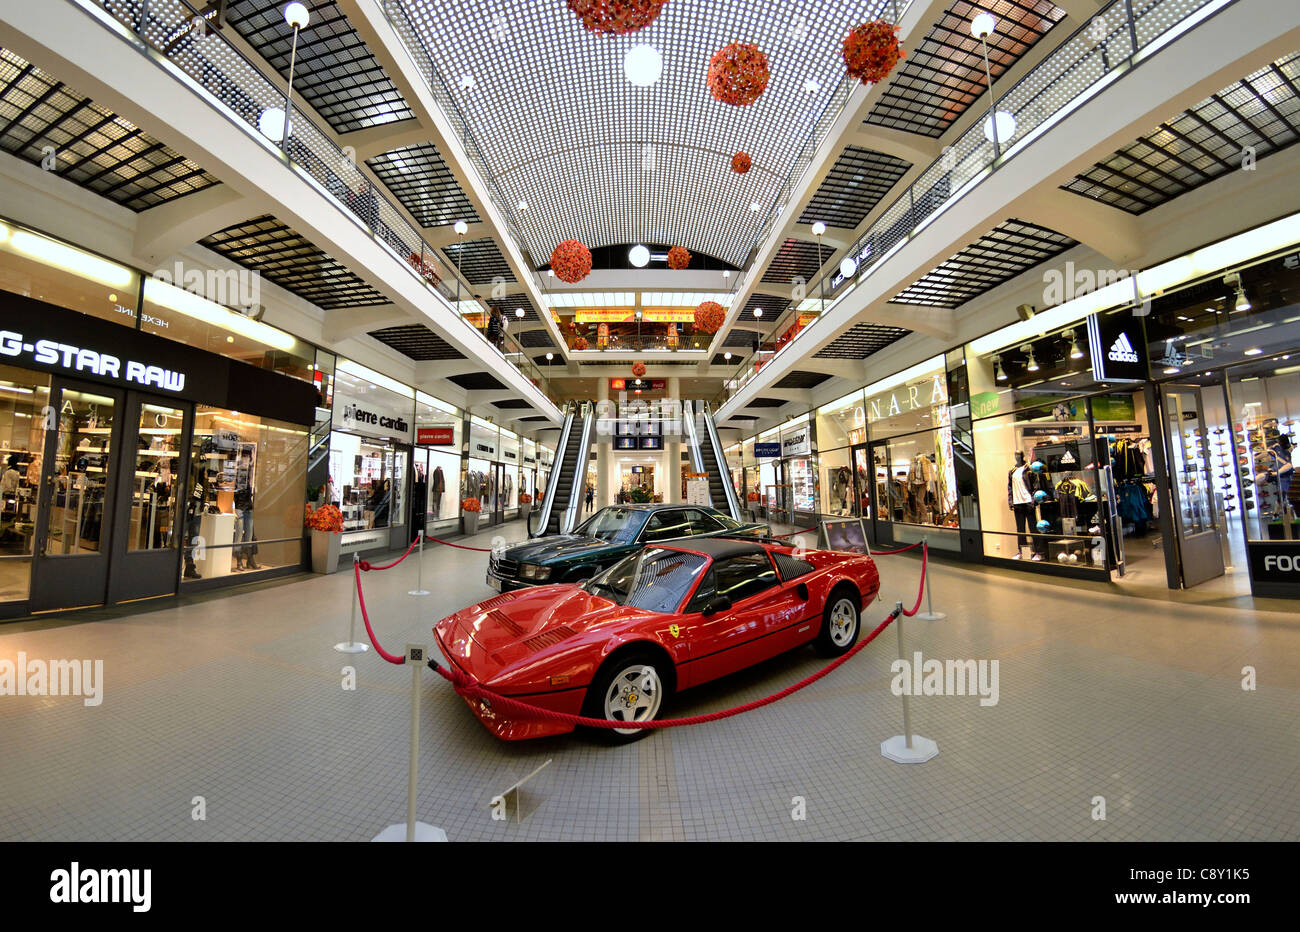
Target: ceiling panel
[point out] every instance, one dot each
(1261, 112)
(47, 123)
(420, 179)
(1012, 247)
(796, 259)
(536, 339)
(600, 160)
(480, 261)
(476, 381)
(944, 74)
(334, 71)
(861, 341)
(271, 248)
(798, 378)
(853, 187)
(417, 341)
(510, 303)
(767, 403)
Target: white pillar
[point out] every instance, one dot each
(673, 450)
(604, 494)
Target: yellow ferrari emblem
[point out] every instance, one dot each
(674, 631)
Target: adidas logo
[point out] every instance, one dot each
(1122, 350)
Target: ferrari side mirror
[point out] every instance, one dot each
(719, 603)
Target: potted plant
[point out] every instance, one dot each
(753, 499)
(326, 526)
(469, 517)
(525, 499)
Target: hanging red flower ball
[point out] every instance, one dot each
(738, 74)
(871, 51)
(616, 17)
(741, 162)
(709, 317)
(638, 369)
(581, 344)
(571, 261)
(678, 257)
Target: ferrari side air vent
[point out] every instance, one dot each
(790, 567)
(507, 623)
(548, 638)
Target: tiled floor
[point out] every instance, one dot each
(238, 699)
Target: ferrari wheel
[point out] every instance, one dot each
(630, 688)
(840, 625)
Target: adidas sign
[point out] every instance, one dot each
(1122, 350)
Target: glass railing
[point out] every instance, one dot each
(1100, 52)
(166, 31)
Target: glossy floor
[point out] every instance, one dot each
(238, 699)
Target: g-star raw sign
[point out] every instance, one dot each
(71, 358)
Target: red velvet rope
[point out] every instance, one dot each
(365, 616)
(887, 553)
(448, 543)
(367, 567)
(925, 556)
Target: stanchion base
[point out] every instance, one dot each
(922, 749)
(423, 832)
(930, 616)
(351, 647)
(417, 592)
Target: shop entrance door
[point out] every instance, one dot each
(1195, 515)
(498, 493)
(861, 481)
(74, 515)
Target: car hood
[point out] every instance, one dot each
(558, 547)
(499, 638)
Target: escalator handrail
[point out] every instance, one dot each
(692, 440)
(728, 488)
(548, 500)
(569, 518)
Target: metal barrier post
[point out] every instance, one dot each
(419, 570)
(412, 830)
(352, 645)
(929, 614)
(907, 748)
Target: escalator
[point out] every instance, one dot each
(707, 457)
(564, 493)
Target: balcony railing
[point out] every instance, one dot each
(1100, 52)
(169, 33)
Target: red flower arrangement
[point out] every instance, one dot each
(678, 257)
(471, 504)
(738, 74)
(871, 51)
(325, 518)
(581, 344)
(638, 369)
(741, 162)
(752, 496)
(424, 269)
(525, 498)
(709, 317)
(571, 261)
(616, 17)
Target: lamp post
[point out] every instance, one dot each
(818, 229)
(296, 15)
(461, 229)
(982, 25)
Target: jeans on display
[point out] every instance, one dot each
(1024, 520)
(244, 533)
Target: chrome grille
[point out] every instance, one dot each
(503, 567)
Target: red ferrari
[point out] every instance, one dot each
(660, 621)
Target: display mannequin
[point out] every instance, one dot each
(437, 486)
(1021, 502)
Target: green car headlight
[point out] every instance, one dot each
(534, 571)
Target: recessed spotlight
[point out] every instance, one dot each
(230, 339)
(643, 65)
(639, 256)
(1254, 351)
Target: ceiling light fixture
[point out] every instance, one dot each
(818, 228)
(461, 227)
(523, 205)
(1254, 351)
(271, 123)
(1005, 127)
(848, 266)
(756, 207)
(758, 312)
(639, 256)
(999, 374)
(643, 65)
(466, 82)
(519, 312)
(1033, 363)
(1243, 303)
(982, 25)
(1075, 352)
(550, 356)
(811, 86)
(727, 357)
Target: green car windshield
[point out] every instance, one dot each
(614, 525)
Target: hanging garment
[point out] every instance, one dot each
(1018, 492)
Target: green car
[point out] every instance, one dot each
(604, 539)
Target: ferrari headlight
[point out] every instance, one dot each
(534, 571)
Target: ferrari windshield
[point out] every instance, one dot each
(655, 579)
(614, 525)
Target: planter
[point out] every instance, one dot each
(325, 551)
(469, 521)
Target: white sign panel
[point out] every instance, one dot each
(375, 414)
(797, 442)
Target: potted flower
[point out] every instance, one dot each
(326, 526)
(469, 517)
(525, 499)
(753, 499)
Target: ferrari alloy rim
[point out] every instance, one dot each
(844, 622)
(633, 696)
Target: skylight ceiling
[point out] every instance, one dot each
(599, 160)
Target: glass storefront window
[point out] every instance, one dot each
(363, 475)
(48, 269)
(437, 458)
(246, 493)
(1264, 403)
(157, 467)
(82, 463)
(841, 425)
(24, 399)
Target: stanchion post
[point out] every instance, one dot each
(907, 748)
(416, 656)
(419, 570)
(929, 614)
(352, 645)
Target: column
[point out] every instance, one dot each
(673, 448)
(604, 442)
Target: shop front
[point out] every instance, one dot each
(491, 476)
(131, 460)
(370, 447)
(435, 507)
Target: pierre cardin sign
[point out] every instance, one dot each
(375, 413)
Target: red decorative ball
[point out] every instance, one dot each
(616, 17)
(709, 317)
(571, 261)
(678, 258)
(871, 51)
(638, 369)
(581, 344)
(738, 74)
(741, 162)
